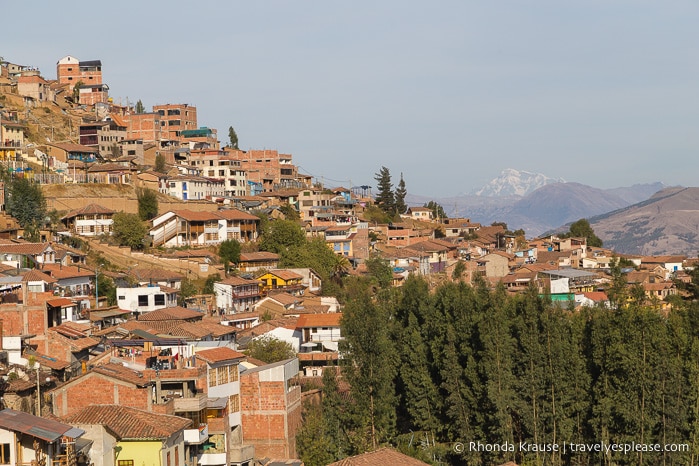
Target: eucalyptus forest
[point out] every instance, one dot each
(434, 371)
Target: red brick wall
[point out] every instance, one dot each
(93, 389)
(267, 422)
(22, 320)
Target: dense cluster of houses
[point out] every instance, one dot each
(148, 381)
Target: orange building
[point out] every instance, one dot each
(175, 118)
(70, 70)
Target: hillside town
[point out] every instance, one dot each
(139, 353)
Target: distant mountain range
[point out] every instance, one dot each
(547, 204)
(513, 182)
(667, 223)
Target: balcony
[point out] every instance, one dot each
(191, 404)
(211, 459)
(196, 436)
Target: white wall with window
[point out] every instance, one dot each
(145, 299)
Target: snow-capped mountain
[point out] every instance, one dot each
(513, 182)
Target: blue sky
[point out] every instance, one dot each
(447, 93)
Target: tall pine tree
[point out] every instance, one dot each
(400, 194)
(385, 198)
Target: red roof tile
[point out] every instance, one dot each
(130, 423)
(215, 355)
(331, 319)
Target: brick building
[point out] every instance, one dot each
(175, 118)
(271, 408)
(70, 70)
(268, 168)
(144, 126)
(104, 135)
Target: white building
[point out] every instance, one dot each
(146, 298)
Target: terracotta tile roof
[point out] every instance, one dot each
(49, 361)
(428, 246)
(178, 329)
(285, 299)
(121, 372)
(217, 330)
(117, 119)
(264, 327)
(90, 209)
(24, 248)
(83, 344)
(380, 457)
(109, 167)
(38, 276)
(216, 355)
(59, 271)
(662, 259)
(130, 423)
(285, 274)
(68, 147)
(60, 302)
(596, 296)
(331, 319)
(258, 256)
(155, 275)
(235, 214)
(170, 313)
(192, 216)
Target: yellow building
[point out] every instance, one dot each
(282, 279)
(11, 139)
(131, 437)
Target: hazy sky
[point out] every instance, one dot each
(449, 93)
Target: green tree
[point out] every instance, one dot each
(147, 203)
(380, 271)
(458, 271)
(281, 235)
(312, 441)
(369, 365)
(26, 202)
(385, 198)
(290, 212)
(139, 107)
(209, 283)
(582, 229)
(400, 194)
(106, 287)
(129, 230)
(232, 138)
(229, 252)
(437, 210)
(187, 289)
(270, 349)
(160, 163)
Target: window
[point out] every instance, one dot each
(177, 456)
(233, 373)
(159, 299)
(234, 403)
(121, 298)
(222, 375)
(143, 300)
(212, 377)
(5, 453)
(125, 463)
